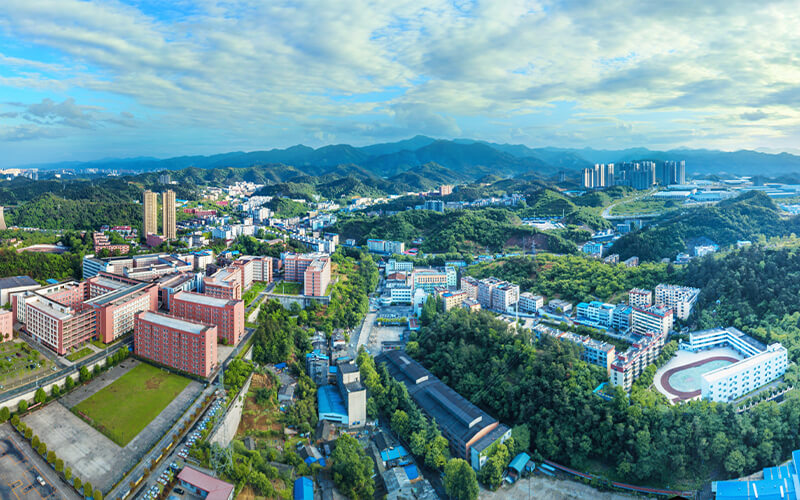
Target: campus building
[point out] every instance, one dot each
(761, 364)
(652, 319)
(317, 277)
(529, 302)
(140, 267)
(470, 431)
(226, 314)
(255, 268)
(183, 345)
(224, 284)
(595, 352)
(496, 294)
(595, 313)
(679, 298)
(385, 246)
(627, 367)
(429, 279)
(639, 297)
(452, 300)
(6, 325)
(15, 284)
(469, 285)
(65, 315)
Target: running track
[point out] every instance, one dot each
(683, 394)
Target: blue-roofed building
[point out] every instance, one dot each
(780, 483)
(317, 366)
(411, 472)
(303, 489)
(51, 281)
(517, 466)
(393, 453)
(331, 405)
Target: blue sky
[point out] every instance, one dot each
(89, 79)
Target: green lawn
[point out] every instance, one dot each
(75, 356)
(289, 288)
(122, 409)
(251, 294)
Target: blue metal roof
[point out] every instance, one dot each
(394, 453)
(331, 405)
(518, 464)
(303, 489)
(411, 472)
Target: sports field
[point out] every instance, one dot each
(122, 409)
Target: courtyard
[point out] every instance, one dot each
(680, 379)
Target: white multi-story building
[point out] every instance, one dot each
(452, 277)
(504, 296)
(733, 381)
(470, 286)
(679, 298)
(400, 295)
(631, 363)
(639, 297)
(394, 266)
(528, 302)
(596, 312)
(652, 319)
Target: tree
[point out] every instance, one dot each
(522, 439)
(87, 488)
(56, 391)
(98, 495)
(352, 469)
(84, 374)
(735, 463)
(69, 384)
(42, 448)
(23, 406)
(418, 443)
(35, 442)
(460, 481)
(59, 465)
(51, 456)
(4, 414)
(77, 483)
(400, 422)
(40, 396)
(67, 473)
(28, 432)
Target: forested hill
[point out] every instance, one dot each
(742, 218)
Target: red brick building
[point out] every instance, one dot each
(225, 283)
(226, 314)
(183, 345)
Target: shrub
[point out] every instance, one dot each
(15, 420)
(97, 495)
(23, 406)
(28, 433)
(40, 396)
(5, 414)
(84, 374)
(87, 488)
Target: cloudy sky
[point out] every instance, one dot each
(84, 80)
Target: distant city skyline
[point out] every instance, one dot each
(88, 80)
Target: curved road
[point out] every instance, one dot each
(607, 211)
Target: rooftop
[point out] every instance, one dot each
(173, 322)
(200, 298)
(216, 489)
(16, 282)
(745, 364)
(118, 295)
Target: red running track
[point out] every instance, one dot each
(683, 394)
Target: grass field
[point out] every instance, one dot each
(289, 288)
(122, 409)
(75, 356)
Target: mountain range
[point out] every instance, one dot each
(471, 159)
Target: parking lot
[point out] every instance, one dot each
(20, 477)
(90, 454)
(164, 476)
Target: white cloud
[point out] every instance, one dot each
(239, 64)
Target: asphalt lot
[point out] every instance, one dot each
(19, 468)
(88, 452)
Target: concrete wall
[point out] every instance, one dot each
(226, 429)
(13, 402)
